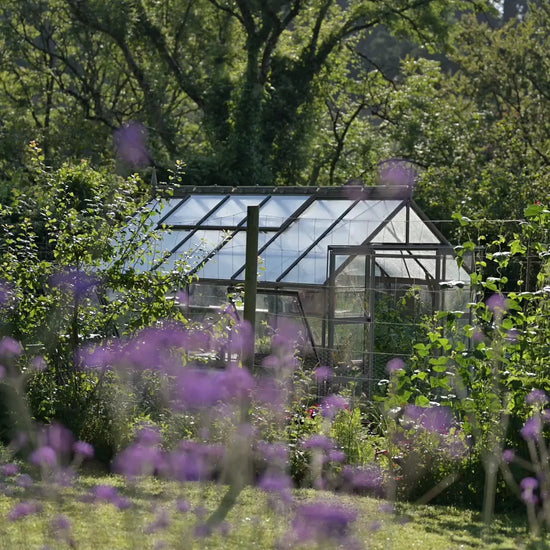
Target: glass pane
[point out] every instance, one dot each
(193, 210)
(350, 292)
(419, 232)
(230, 258)
(395, 230)
(233, 210)
(279, 208)
(353, 229)
(194, 250)
(288, 246)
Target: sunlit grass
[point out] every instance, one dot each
(252, 523)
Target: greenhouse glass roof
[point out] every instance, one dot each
(205, 227)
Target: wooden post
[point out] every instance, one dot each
(251, 279)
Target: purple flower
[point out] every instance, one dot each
(9, 470)
(336, 455)
(38, 363)
(25, 481)
(131, 145)
(10, 347)
(59, 438)
(508, 455)
(24, 509)
(321, 520)
(149, 436)
(528, 486)
(432, 419)
(197, 389)
(44, 456)
(138, 460)
(536, 397)
(237, 382)
(323, 374)
(122, 503)
(106, 493)
(532, 429)
(275, 482)
(332, 404)
(83, 449)
(60, 524)
(183, 505)
(368, 479)
(162, 521)
(77, 282)
(496, 304)
(395, 365)
(319, 442)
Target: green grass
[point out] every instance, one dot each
(252, 523)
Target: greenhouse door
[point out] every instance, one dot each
(378, 296)
(349, 334)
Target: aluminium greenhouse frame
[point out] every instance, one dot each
(311, 239)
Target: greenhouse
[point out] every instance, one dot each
(353, 269)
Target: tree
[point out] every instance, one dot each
(480, 136)
(235, 88)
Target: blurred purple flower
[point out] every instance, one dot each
(83, 449)
(319, 441)
(79, 283)
(122, 503)
(508, 455)
(197, 389)
(395, 365)
(367, 479)
(183, 505)
(536, 397)
(59, 438)
(323, 374)
(6, 294)
(106, 493)
(532, 429)
(275, 454)
(336, 455)
(138, 460)
(161, 521)
(237, 382)
(38, 363)
(193, 461)
(432, 419)
(333, 404)
(25, 481)
(9, 470)
(10, 347)
(320, 520)
(131, 145)
(149, 436)
(24, 509)
(528, 486)
(61, 525)
(241, 338)
(277, 482)
(44, 456)
(93, 356)
(496, 303)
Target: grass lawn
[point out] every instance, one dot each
(251, 523)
